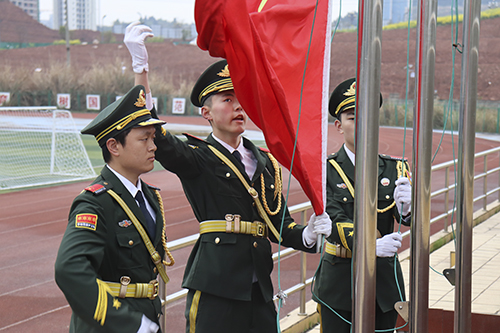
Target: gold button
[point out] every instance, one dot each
(217, 240)
(272, 186)
(228, 175)
(105, 183)
(155, 270)
(345, 199)
(130, 242)
(387, 196)
(255, 244)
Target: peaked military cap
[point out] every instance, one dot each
(127, 112)
(214, 79)
(344, 98)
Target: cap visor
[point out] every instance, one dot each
(151, 121)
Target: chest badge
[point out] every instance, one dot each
(385, 181)
(342, 186)
(125, 223)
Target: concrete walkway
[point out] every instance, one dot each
(485, 272)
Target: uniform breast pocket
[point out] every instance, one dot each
(130, 250)
(228, 184)
(343, 197)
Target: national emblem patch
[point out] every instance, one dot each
(86, 221)
(125, 223)
(385, 181)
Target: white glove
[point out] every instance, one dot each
(388, 245)
(320, 224)
(147, 326)
(135, 35)
(402, 195)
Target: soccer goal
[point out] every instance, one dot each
(40, 146)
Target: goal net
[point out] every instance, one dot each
(40, 146)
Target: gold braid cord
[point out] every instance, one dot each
(277, 189)
(163, 233)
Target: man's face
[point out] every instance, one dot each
(346, 126)
(225, 114)
(137, 155)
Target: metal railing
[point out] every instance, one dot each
(302, 209)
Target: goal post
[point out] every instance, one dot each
(40, 146)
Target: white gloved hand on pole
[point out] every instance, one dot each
(135, 36)
(317, 225)
(388, 245)
(402, 195)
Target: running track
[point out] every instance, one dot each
(33, 222)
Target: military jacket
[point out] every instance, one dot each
(333, 282)
(223, 264)
(102, 244)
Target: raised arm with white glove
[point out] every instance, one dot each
(388, 245)
(320, 224)
(402, 195)
(135, 36)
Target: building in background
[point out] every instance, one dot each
(82, 14)
(30, 7)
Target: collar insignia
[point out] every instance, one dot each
(351, 91)
(342, 186)
(385, 181)
(141, 100)
(125, 223)
(224, 72)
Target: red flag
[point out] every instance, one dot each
(268, 44)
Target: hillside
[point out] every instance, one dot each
(182, 64)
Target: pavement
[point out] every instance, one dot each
(485, 274)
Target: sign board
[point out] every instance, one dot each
(94, 102)
(64, 101)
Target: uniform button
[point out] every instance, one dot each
(255, 244)
(228, 175)
(155, 270)
(105, 183)
(387, 196)
(272, 186)
(345, 199)
(130, 242)
(217, 240)
(253, 204)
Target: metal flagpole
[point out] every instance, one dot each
(367, 134)
(467, 124)
(422, 155)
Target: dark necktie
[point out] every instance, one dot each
(149, 220)
(237, 155)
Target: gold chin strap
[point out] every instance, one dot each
(155, 256)
(253, 193)
(351, 188)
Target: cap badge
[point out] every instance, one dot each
(141, 100)
(224, 72)
(385, 181)
(352, 90)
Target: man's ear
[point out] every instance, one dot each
(113, 146)
(205, 113)
(338, 126)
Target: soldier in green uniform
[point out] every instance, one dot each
(238, 202)
(332, 289)
(116, 229)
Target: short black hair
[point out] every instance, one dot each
(106, 155)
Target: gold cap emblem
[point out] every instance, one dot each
(351, 91)
(141, 100)
(224, 72)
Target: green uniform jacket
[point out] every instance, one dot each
(333, 282)
(225, 268)
(107, 251)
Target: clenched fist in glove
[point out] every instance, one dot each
(388, 245)
(402, 195)
(320, 224)
(135, 35)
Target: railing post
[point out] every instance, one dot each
(447, 198)
(485, 182)
(303, 271)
